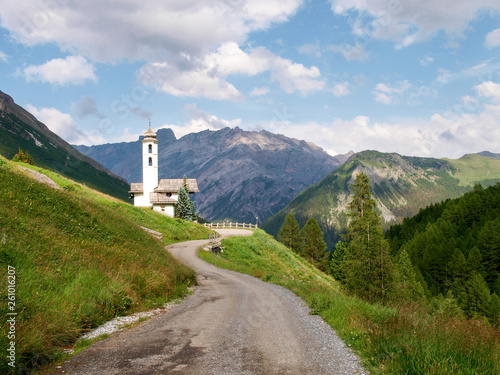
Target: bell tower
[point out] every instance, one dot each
(149, 163)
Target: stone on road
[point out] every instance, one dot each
(232, 324)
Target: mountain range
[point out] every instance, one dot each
(401, 185)
(20, 129)
(242, 175)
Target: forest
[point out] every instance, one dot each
(454, 247)
(445, 257)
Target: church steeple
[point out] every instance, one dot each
(149, 133)
(149, 162)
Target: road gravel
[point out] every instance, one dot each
(231, 324)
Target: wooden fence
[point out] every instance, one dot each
(230, 226)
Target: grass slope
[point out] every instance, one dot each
(473, 168)
(80, 258)
(389, 340)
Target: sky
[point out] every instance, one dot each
(416, 77)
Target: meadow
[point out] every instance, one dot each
(79, 258)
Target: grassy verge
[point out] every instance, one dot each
(406, 340)
(79, 259)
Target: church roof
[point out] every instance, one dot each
(172, 186)
(157, 198)
(136, 187)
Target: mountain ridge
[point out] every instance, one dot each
(20, 129)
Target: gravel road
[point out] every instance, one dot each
(232, 324)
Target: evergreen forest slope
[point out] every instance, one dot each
(401, 186)
(21, 130)
(455, 245)
(80, 258)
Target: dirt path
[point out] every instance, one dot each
(232, 324)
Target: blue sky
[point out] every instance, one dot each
(415, 77)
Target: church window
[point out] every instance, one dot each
(150, 148)
(150, 162)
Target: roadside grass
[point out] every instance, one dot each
(389, 340)
(80, 259)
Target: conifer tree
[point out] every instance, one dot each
(368, 266)
(407, 285)
(289, 233)
(337, 261)
(313, 245)
(477, 298)
(185, 207)
(457, 266)
(474, 262)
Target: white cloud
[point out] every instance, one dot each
(350, 52)
(411, 21)
(3, 57)
(341, 89)
(385, 94)
(71, 70)
(493, 39)
(382, 98)
(472, 128)
(207, 76)
(427, 60)
(400, 91)
(190, 46)
(64, 126)
(258, 91)
(490, 90)
(435, 137)
(310, 49)
(161, 29)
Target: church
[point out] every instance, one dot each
(162, 195)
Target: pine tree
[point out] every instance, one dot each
(474, 262)
(368, 266)
(184, 206)
(289, 233)
(477, 296)
(313, 245)
(337, 261)
(457, 266)
(408, 288)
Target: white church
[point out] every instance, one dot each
(162, 195)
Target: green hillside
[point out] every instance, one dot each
(19, 129)
(79, 258)
(401, 185)
(397, 339)
(473, 168)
